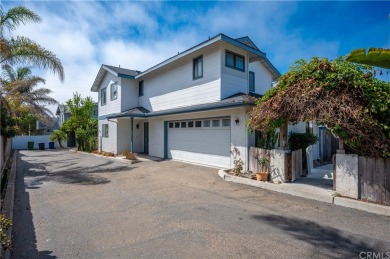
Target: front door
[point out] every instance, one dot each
(146, 137)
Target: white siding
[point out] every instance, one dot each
(129, 93)
(123, 134)
(173, 86)
(263, 77)
(111, 106)
(108, 144)
(233, 81)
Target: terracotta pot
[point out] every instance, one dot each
(262, 176)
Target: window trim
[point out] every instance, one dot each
(141, 88)
(105, 96)
(111, 87)
(235, 55)
(193, 67)
(254, 82)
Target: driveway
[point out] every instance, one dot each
(72, 205)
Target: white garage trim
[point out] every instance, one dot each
(203, 141)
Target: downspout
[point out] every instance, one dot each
(132, 135)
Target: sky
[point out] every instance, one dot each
(140, 34)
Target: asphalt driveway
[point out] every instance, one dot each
(72, 205)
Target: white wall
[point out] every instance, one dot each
(20, 142)
(174, 86)
(129, 94)
(108, 144)
(233, 81)
(263, 77)
(124, 135)
(111, 106)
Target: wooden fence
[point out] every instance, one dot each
(254, 155)
(374, 179)
(294, 162)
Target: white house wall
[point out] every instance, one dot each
(109, 144)
(174, 86)
(129, 94)
(111, 106)
(263, 77)
(233, 81)
(123, 133)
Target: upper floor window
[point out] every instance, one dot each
(114, 91)
(235, 61)
(251, 81)
(141, 88)
(198, 67)
(103, 96)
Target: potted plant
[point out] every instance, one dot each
(264, 165)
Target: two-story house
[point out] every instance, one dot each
(191, 107)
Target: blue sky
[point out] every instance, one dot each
(138, 35)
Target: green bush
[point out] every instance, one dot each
(301, 140)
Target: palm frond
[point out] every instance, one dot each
(26, 51)
(16, 16)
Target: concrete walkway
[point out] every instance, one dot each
(315, 187)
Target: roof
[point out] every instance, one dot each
(239, 99)
(243, 43)
(116, 71)
(62, 108)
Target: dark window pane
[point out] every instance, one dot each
(184, 124)
(198, 124)
(240, 62)
(171, 124)
(226, 123)
(229, 59)
(251, 81)
(206, 123)
(216, 123)
(177, 124)
(190, 124)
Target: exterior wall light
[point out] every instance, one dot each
(137, 126)
(236, 120)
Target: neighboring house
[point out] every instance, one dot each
(63, 114)
(191, 107)
(47, 127)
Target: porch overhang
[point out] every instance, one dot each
(237, 100)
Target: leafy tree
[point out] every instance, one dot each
(347, 98)
(81, 122)
(58, 135)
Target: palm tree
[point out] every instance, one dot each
(21, 50)
(19, 92)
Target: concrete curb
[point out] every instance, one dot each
(361, 205)
(8, 205)
(340, 201)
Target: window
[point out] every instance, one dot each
(226, 123)
(114, 91)
(141, 88)
(216, 123)
(206, 123)
(105, 130)
(235, 61)
(251, 81)
(171, 125)
(95, 112)
(198, 67)
(177, 124)
(103, 97)
(183, 124)
(190, 124)
(198, 124)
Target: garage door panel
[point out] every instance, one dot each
(209, 146)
